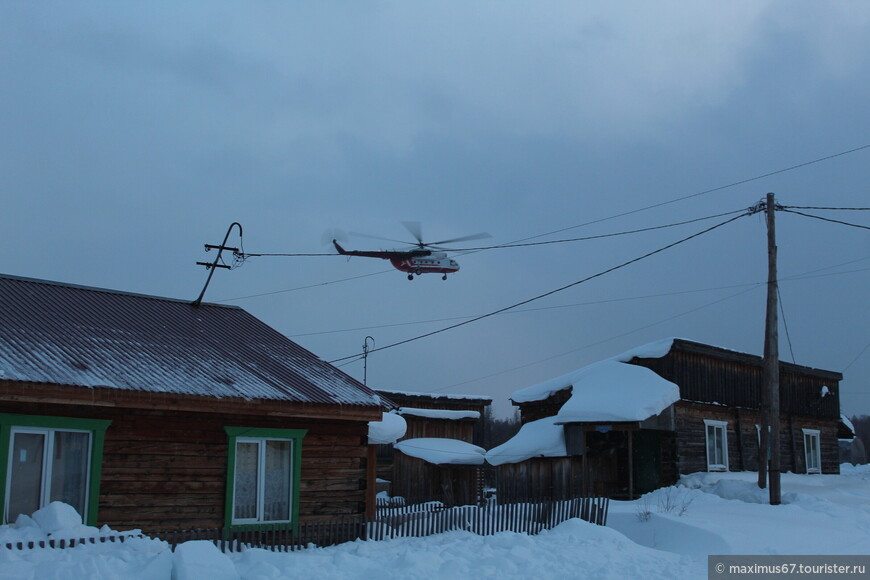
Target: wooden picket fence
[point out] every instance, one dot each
(529, 517)
(61, 543)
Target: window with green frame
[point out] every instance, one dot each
(45, 459)
(263, 472)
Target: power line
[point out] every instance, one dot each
(675, 200)
(825, 219)
(785, 324)
(825, 208)
(303, 287)
(584, 347)
(802, 276)
(705, 192)
(241, 257)
(649, 229)
(854, 360)
(551, 292)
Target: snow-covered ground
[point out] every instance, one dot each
(665, 534)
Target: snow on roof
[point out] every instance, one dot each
(442, 451)
(439, 413)
(845, 421)
(389, 429)
(541, 438)
(543, 390)
(616, 391)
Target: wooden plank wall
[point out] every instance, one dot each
(418, 481)
(166, 470)
(738, 383)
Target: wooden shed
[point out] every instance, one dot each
(147, 412)
(712, 426)
(413, 475)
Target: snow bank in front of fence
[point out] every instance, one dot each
(573, 549)
(136, 558)
(201, 560)
(55, 521)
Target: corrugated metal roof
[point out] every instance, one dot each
(72, 335)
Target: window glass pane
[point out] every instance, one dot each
(276, 497)
(245, 487)
(711, 445)
(811, 444)
(26, 474)
(69, 469)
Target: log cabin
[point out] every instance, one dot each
(154, 413)
(604, 431)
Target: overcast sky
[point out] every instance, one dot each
(132, 133)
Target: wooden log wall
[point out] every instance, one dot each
(166, 470)
(743, 450)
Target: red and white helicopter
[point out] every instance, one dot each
(421, 259)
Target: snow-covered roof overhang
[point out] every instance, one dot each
(541, 438)
(442, 451)
(389, 429)
(845, 422)
(614, 391)
(439, 413)
(544, 390)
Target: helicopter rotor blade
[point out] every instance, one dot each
(403, 242)
(416, 230)
(333, 234)
(480, 236)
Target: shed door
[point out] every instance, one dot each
(647, 460)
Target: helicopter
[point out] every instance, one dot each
(420, 259)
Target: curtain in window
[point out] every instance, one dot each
(25, 489)
(246, 481)
(276, 495)
(69, 468)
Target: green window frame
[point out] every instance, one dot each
(95, 427)
(253, 435)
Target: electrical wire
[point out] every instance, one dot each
(705, 192)
(854, 360)
(824, 219)
(785, 324)
(826, 208)
(303, 287)
(803, 276)
(551, 292)
(649, 229)
(600, 342)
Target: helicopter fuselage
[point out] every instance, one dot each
(414, 262)
(435, 264)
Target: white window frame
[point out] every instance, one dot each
(817, 435)
(723, 425)
(47, 454)
(261, 481)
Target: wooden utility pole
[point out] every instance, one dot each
(212, 266)
(771, 364)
